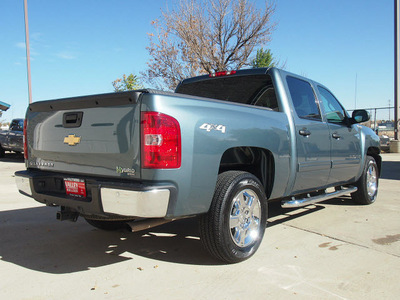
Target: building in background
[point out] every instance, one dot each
(4, 106)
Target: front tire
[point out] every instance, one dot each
(233, 228)
(367, 184)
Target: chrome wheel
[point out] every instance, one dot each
(245, 215)
(367, 184)
(372, 180)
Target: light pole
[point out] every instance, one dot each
(395, 144)
(28, 56)
(396, 70)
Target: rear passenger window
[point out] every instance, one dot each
(303, 98)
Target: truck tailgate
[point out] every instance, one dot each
(97, 135)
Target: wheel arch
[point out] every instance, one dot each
(375, 153)
(257, 161)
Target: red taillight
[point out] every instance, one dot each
(161, 141)
(25, 140)
(222, 73)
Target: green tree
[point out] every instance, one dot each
(265, 59)
(127, 83)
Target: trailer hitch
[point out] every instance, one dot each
(66, 214)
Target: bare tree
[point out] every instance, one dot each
(204, 36)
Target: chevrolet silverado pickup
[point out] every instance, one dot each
(11, 140)
(221, 147)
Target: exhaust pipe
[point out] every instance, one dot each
(147, 223)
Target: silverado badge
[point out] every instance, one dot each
(72, 140)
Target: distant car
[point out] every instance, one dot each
(12, 139)
(384, 142)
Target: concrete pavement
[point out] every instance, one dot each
(332, 250)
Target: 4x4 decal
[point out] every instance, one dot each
(208, 127)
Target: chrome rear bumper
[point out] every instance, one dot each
(104, 197)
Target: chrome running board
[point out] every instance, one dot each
(315, 199)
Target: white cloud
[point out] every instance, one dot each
(66, 55)
(20, 45)
(36, 36)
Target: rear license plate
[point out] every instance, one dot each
(75, 187)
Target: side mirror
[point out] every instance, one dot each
(360, 116)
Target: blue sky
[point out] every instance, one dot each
(79, 47)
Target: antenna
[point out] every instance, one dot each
(355, 94)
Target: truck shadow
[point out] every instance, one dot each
(33, 239)
(391, 170)
(278, 215)
(11, 157)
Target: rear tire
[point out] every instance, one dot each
(367, 184)
(234, 227)
(107, 225)
(2, 152)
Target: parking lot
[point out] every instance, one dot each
(332, 250)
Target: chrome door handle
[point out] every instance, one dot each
(335, 135)
(304, 132)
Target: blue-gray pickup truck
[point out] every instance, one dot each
(12, 139)
(220, 147)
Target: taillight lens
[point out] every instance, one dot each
(161, 141)
(25, 140)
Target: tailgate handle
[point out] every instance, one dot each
(72, 119)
